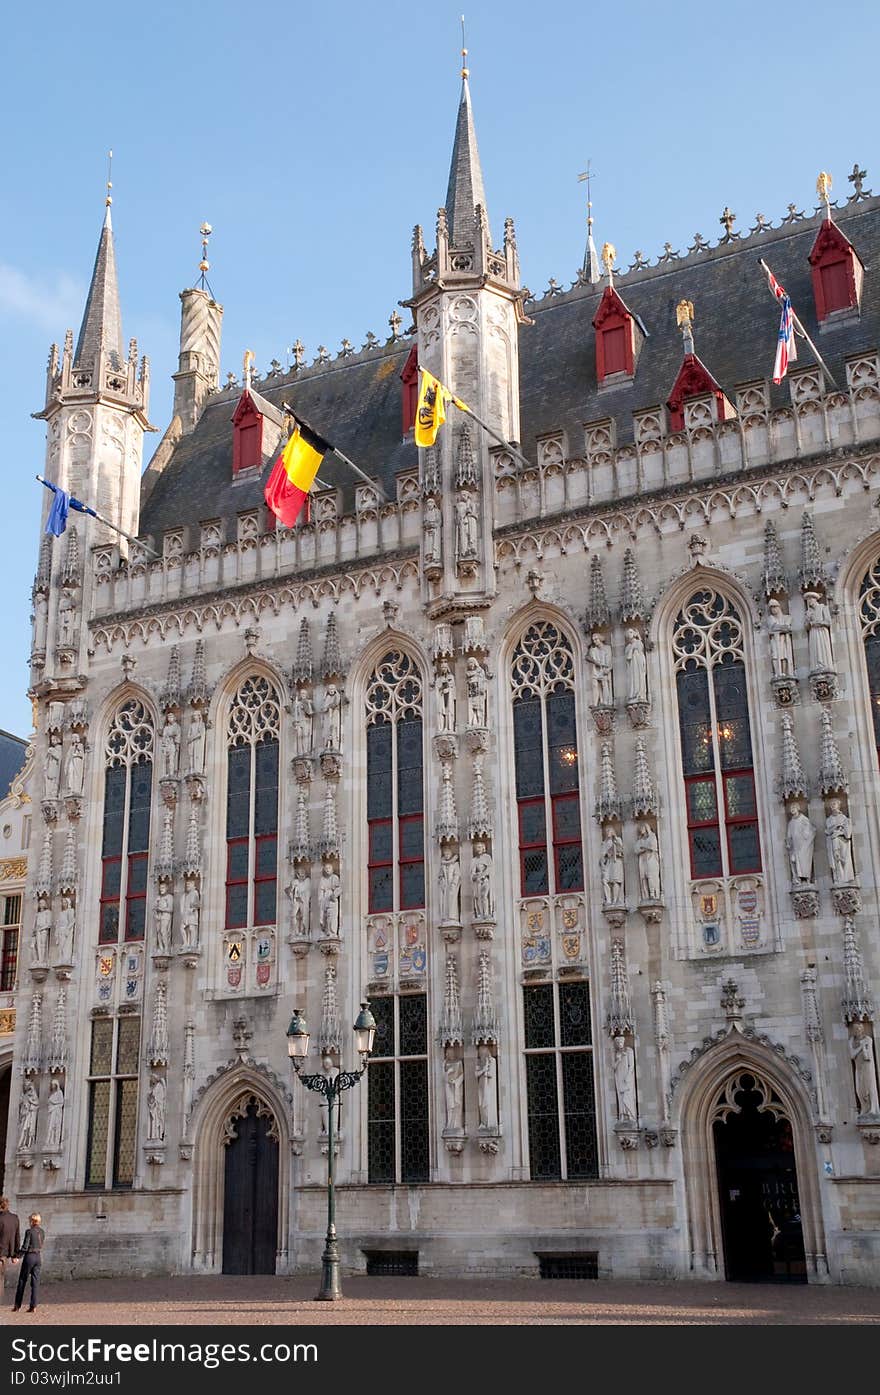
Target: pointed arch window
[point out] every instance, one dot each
(128, 788)
(395, 786)
(545, 748)
(869, 615)
(252, 735)
(716, 740)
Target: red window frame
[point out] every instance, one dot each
(109, 899)
(379, 864)
(403, 861)
(236, 881)
(574, 840)
(694, 825)
(539, 845)
(409, 378)
(8, 958)
(747, 772)
(133, 896)
(260, 879)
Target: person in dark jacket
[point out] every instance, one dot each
(10, 1240)
(31, 1262)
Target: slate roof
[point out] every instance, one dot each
(356, 402)
(12, 753)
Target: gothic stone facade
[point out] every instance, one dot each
(564, 757)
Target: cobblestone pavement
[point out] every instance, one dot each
(226, 1300)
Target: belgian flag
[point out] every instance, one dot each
(294, 472)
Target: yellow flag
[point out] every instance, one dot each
(431, 408)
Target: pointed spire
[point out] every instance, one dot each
(608, 803)
(302, 667)
(170, 695)
(44, 566)
(57, 1061)
(165, 859)
(644, 794)
(43, 884)
(330, 1035)
(857, 1004)
(661, 1015)
(450, 1031)
(101, 328)
(33, 1047)
(192, 861)
(832, 779)
(480, 822)
(465, 192)
(775, 582)
(812, 1013)
(157, 1051)
(466, 469)
(198, 687)
(446, 828)
(67, 879)
(329, 842)
(812, 570)
(632, 601)
(590, 272)
(331, 663)
(620, 1017)
(597, 611)
(300, 847)
(70, 573)
(486, 1029)
(793, 778)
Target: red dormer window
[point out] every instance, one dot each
(247, 436)
(410, 380)
(837, 272)
(615, 338)
(694, 380)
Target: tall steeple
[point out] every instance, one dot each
(101, 328)
(465, 189)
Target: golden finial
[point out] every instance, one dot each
(684, 314)
(109, 198)
(823, 189)
(248, 364)
(609, 256)
(205, 231)
(587, 177)
(465, 70)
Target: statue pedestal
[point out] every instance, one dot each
(824, 685)
(805, 900)
(785, 690)
(847, 898)
(628, 1134)
(869, 1127)
(639, 714)
(652, 911)
(488, 1138)
(603, 716)
(484, 929)
(454, 1140)
(154, 1151)
(615, 913)
(450, 930)
(300, 944)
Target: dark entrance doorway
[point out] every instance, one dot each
(250, 1200)
(757, 1182)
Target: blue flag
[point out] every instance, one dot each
(57, 520)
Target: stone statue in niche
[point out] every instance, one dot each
(332, 718)
(163, 912)
(303, 715)
(487, 1090)
(52, 767)
(75, 768)
(42, 927)
(599, 658)
(65, 926)
(453, 1086)
(799, 839)
(838, 841)
(861, 1050)
(467, 525)
(625, 1078)
(477, 694)
(191, 913)
(611, 863)
(818, 622)
(66, 618)
(195, 742)
(300, 896)
(27, 1116)
(446, 696)
(636, 667)
(482, 876)
(648, 850)
(779, 630)
(449, 885)
(432, 522)
(170, 746)
(156, 1109)
(329, 892)
(54, 1116)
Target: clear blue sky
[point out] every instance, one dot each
(313, 137)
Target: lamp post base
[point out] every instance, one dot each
(331, 1286)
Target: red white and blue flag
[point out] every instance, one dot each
(786, 348)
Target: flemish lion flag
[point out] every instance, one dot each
(431, 408)
(293, 473)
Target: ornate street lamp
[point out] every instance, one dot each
(331, 1088)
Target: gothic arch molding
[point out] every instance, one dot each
(250, 666)
(695, 1106)
(216, 1108)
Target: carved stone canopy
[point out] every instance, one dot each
(238, 1111)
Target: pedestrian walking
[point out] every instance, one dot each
(31, 1253)
(10, 1240)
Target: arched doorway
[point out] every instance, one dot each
(761, 1225)
(250, 1193)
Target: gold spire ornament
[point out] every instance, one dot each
(684, 314)
(109, 199)
(248, 365)
(609, 257)
(823, 189)
(465, 70)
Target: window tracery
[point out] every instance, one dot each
(869, 618)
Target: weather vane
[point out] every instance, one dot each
(109, 199)
(464, 53)
(204, 265)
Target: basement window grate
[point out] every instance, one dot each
(391, 1262)
(575, 1266)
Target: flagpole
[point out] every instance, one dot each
(803, 333)
(463, 407)
(93, 513)
(374, 484)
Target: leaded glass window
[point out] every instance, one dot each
(869, 614)
(111, 1148)
(716, 741)
(9, 932)
(395, 786)
(125, 834)
(252, 804)
(397, 1091)
(546, 763)
(560, 1096)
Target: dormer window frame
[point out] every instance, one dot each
(611, 317)
(703, 385)
(246, 417)
(409, 379)
(833, 249)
